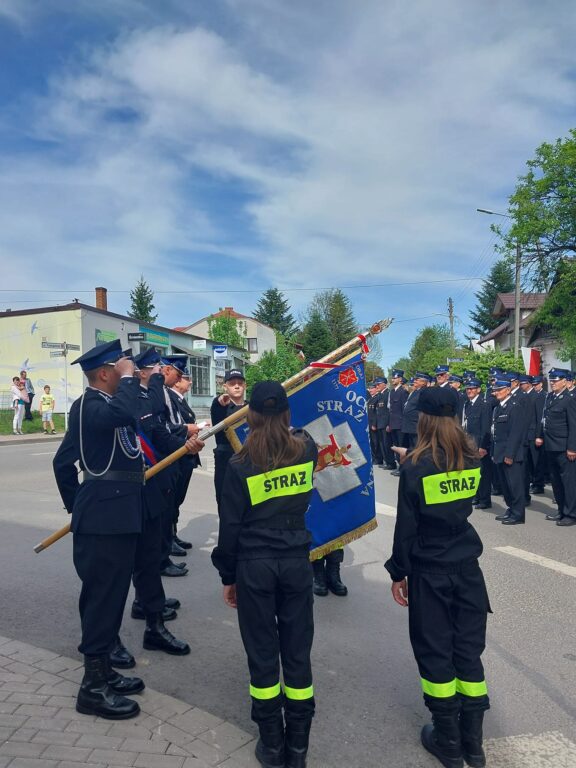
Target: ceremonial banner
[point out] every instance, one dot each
(332, 408)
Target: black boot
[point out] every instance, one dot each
(137, 612)
(127, 686)
(158, 638)
(177, 550)
(319, 588)
(443, 739)
(172, 602)
(182, 543)
(297, 736)
(96, 697)
(270, 746)
(120, 656)
(471, 735)
(334, 581)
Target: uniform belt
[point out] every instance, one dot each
(117, 476)
(441, 530)
(281, 523)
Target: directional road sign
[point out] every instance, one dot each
(53, 345)
(59, 353)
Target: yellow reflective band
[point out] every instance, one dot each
(286, 481)
(471, 689)
(451, 486)
(439, 690)
(265, 693)
(299, 694)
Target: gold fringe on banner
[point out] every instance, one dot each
(330, 546)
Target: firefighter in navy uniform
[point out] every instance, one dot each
(224, 405)
(396, 402)
(411, 413)
(477, 422)
(509, 435)
(557, 435)
(157, 442)
(263, 560)
(435, 572)
(541, 475)
(371, 405)
(382, 421)
(107, 515)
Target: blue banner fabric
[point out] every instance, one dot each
(332, 408)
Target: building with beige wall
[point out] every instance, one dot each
(259, 337)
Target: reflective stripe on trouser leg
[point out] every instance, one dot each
(299, 694)
(264, 694)
(471, 689)
(439, 690)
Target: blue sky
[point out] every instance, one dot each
(223, 147)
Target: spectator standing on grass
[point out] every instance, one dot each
(19, 400)
(30, 392)
(47, 405)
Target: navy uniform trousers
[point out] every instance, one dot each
(447, 619)
(563, 477)
(147, 580)
(104, 563)
(275, 614)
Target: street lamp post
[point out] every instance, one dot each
(517, 293)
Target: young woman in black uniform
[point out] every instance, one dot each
(263, 560)
(435, 562)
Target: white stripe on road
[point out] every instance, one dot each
(385, 509)
(545, 562)
(46, 453)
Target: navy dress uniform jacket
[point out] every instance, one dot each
(397, 400)
(477, 421)
(100, 506)
(411, 414)
(558, 427)
(509, 432)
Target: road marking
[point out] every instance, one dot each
(545, 562)
(385, 509)
(542, 751)
(46, 453)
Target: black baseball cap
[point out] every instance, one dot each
(234, 373)
(269, 397)
(438, 401)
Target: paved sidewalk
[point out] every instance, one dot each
(40, 728)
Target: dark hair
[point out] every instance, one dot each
(270, 444)
(451, 448)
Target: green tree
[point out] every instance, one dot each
(372, 369)
(226, 329)
(142, 305)
(431, 347)
(500, 280)
(316, 338)
(273, 310)
(336, 309)
(402, 364)
(543, 211)
(279, 365)
(558, 312)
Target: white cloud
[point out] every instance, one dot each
(355, 144)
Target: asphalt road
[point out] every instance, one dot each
(370, 708)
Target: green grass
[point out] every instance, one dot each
(29, 427)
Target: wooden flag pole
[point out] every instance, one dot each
(305, 375)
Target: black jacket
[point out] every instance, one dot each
(477, 421)
(101, 506)
(371, 405)
(411, 414)
(558, 425)
(432, 533)
(509, 430)
(254, 508)
(382, 410)
(396, 401)
(217, 414)
(188, 417)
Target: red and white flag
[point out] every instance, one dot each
(532, 360)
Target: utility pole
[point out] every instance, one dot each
(517, 298)
(451, 316)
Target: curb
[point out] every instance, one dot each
(23, 439)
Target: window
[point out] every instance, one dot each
(252, 345)
(200, 372)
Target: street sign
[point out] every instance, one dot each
(136, 337)
(220, 351)
(454, 359)
(53, 345)
(75, 347)
(59, 353)
(199, 344)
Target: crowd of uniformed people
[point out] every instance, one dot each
(510, 439)
(525, 434)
